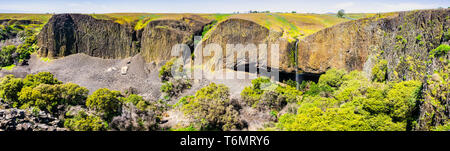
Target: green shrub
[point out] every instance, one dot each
(439, 51)
(33, 80)
(166, 70)
(332, 77)
(48, 97)
(315, 119)
(85, 122)
(251, 95)
(105, 102)
(6, 58)
(379, 71)
(41, 90)
(358, 104)
(73, 94)
(402, 99)
(445, 127)
(167, 87)
(212, 109)
(10, 87)
(447, 35)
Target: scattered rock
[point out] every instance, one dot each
(124, 70)
(27, 120)
(436, 77)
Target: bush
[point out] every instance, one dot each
(251, 95)
(402, 99)
(10, 87)
(379, 71)
(73, 94)
(358, 104)
(166, 70)
(212, 109)
(105, 102)
(439, 51)
(332, 77)
(85, 122)
(6, 57)
(33, 80)
(50, 97)
(315, 119)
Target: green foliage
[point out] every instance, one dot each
(184, 100)
(379, 71)
(6, 58)
(85, 122)
(138, 101)
(358, 104)
(440, 51)
(212, 108)
(48, 97)
(251, 95)
(402, 97)
(33, 80)
(447, 35)
(265, 95)
(185, 129)
(208, 27)
(10, 87)
(166, 70)
(105, 102)
(445, 127)
(167, 87)
(332, 77)
(341, 13)
(41, 90)
(419, 38)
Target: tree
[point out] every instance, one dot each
(105, 102)
(341, 13)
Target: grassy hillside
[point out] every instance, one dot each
(292, 24)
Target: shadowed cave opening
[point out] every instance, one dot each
(284, 75)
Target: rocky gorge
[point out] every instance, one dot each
(387, 47)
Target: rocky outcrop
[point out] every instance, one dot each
(159, 36)
(26, 120)
(67, 34)
(350, 45)
(239, 31)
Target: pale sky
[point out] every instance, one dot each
(215, 6)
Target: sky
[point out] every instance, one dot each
(215, 6)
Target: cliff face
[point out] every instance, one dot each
(404, 41)
(67, 34)
(239, 31)
(159, 36)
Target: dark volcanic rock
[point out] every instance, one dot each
(26, 120)
(159, 36)
(67, 34)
